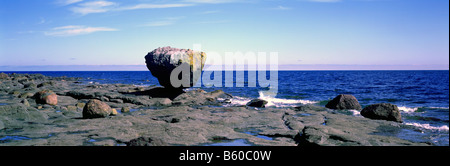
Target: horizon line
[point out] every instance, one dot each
(283, 67)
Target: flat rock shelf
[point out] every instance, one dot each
(187, 118)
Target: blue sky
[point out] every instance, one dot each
(315, 34)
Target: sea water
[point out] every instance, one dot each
(422, 96)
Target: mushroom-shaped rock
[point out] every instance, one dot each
(174, 67)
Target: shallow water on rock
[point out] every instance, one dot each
(131, 110)
(7, 139)
(236, 142)
(9, 135)
(259, 136)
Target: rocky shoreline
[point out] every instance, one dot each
(158, 116)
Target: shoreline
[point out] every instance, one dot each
(191, 118)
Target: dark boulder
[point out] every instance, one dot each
(344, 101)
(383, 111)
(257, 103)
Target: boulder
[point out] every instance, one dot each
(125, 109)
(46, 97)
(162, 61)
(344, 101)
(96, 109)
(383, 111)
(257, 103)
(113, 112)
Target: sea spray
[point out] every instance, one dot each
(429, 127)
(278, 102)
(408, 109)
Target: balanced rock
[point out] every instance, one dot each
(257, 103)
(344, 101)
(96, 109)
(383, 111)
(184, 65)
(46, 97)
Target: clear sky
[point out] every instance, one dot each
(413, 34)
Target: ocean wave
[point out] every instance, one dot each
(355, 112)
(443, 108)
(408, 109)
(236, 100)
(429, 127)
(418, 109)
(271, 101)
(278, 102)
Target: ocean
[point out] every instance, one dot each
(422, 96)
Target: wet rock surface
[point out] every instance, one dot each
(193, 117)
(146, 141)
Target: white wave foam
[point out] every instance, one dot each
(429, 127)
(414, 109)
(408, 109)
(277, 102)
(355, 112)
(271, 101)
(236, 100)
(445, 108)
